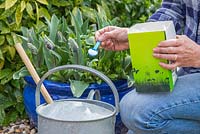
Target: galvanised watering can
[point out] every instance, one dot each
(77, 116)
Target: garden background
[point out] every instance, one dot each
(17, 15)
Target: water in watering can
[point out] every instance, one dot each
(74, 111)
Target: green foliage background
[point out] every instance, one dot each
(32, 13)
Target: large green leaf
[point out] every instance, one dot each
(76, 52)
(15, 28)
(16, 84)
(23, 5)
(5, 102)
(78, 15)
(127, 62)
(33, 37)
(12, 51)
(25, 32)
(2, 115)
(76, 25)
(93, 63)
(48, 57)
(43, 2)
(7, 78)
(2, 39)
(20, 73)
(106, 9)
(43, 12)
(88, 12)
(16, 38)
(4, 27)
(78, 2)
(37, 13)
(78, 31)
(102, 16)
(57, 56)
(40, 27)
(8, 13)
(99, 21)
(64, 54)
(32, 48)
(78, 87)
(9, 3)
(53, 27)
(18, 15)
(101, 12)
(90, 40)
(64, 26)
(9, 39)
(85, 27)
(61, 3)
(61, 37)
(2, 61)
(5, 30)
(40, 55)
(29, 10)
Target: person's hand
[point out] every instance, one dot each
(113, 38)
(182, 51)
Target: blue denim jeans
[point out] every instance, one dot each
(176, 112)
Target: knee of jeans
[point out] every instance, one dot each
(139, 116)
(131, 113)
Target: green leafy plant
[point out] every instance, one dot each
(10, 99)
(60, 43)
(130, 12)
(95, 14)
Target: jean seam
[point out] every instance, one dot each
(170, 107)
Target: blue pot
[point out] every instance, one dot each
(59, 90)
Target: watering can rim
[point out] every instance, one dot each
(113, 111)
(82, 68)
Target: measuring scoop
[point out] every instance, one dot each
(94, 51)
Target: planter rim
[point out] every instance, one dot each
(121, 85)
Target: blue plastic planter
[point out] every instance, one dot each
(62, 91)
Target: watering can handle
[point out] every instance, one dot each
(94, 94)
(83, 68)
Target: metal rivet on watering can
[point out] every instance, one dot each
(77, 116)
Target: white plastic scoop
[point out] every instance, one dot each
(94, 51)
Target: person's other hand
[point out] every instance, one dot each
(113, 38)
(182, 51)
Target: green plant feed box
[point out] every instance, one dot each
(149, 76)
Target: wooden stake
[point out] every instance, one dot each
(32, 71)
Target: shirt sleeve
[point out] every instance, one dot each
(171, 10)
